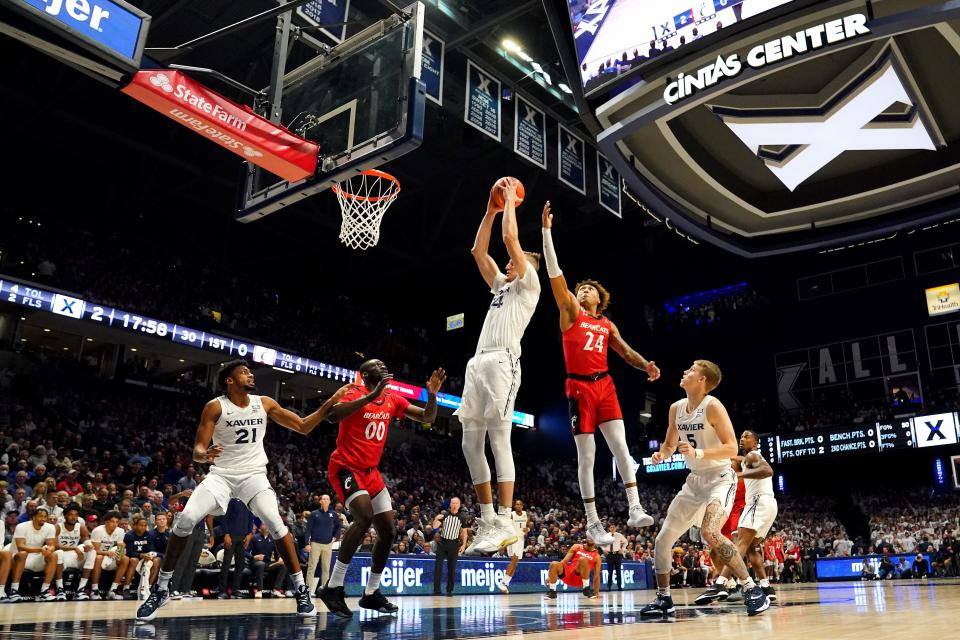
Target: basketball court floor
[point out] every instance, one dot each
(873, 610)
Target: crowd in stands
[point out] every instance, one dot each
(910, 524)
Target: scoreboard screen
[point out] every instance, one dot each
(621, 32)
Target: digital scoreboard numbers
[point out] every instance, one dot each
(827, 443)
(895, 434)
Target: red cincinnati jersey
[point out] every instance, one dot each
(740, 497)
(585, 344)
(363, 433)
(593, 557)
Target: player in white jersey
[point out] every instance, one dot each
(701, 430)
(759, 512)
(493, 373)
(107, 541)
(73, 546)
(236, 422)
(33, 549)
(521, 523)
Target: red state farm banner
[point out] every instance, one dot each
(232, 126)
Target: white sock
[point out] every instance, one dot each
(113, 587)
(765, 582)
(586, 583)
(487, 514)
(338, 574)
(164, 581)
(747, 584)
(45, 587)
(297, 579)
(633, 498)
(552, 586)
(59, 583)
(720, 581)
(503, 511)
(15, 586)
(591, 510)
(507, 578)
(3, 591)
(83, 583)
(373, 583)
(663, 591)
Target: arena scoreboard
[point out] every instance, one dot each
(29, 295)
(915, 432)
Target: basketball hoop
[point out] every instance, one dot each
(364, 199)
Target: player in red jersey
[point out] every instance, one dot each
(575, 569)
(591, 394)
(364, 417)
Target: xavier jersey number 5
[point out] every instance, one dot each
(695, 429)
(240, 431)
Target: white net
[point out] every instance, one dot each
(364, 198)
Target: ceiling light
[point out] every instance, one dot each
(511, 45)
(46, 330)
(564, 88)
(182, 360)
(546, 76)
(89, 339)
(536, 67)
(133, 349)
(523, 55)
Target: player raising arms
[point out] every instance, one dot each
(701, 430)
(492, 378)
(591, 394)
(365, 414)
(237, 424)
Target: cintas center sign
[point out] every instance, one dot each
(232, 126)
(810, 39)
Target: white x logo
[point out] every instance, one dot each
(530, 115)
(846, 129)
(572, 144)
(607, 170)
(484, 84)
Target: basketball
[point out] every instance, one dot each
(501, 184)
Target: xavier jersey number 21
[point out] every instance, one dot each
(240, 431)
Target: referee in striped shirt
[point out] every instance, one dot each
(453, 526)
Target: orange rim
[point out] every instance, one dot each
(375, 173)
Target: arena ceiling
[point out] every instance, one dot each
(837, 122)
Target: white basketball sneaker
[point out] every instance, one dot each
(596, 532)
(490, 537)
(639, 518)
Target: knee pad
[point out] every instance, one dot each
(59, 553)
(502, 454)
(264, 506)
(184, 524)
(474, 440)
(662, 548)
(89, 559)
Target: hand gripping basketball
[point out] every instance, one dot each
(498, 194)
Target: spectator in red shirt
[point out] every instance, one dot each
(70, 484)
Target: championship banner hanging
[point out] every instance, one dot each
(232, 126)
(482, 107)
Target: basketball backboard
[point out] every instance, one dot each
(362, 103)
